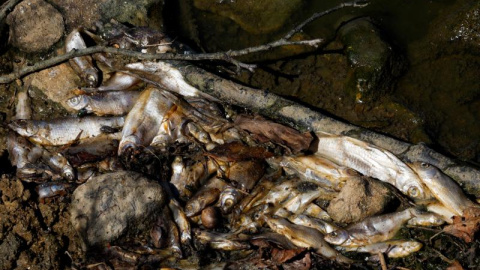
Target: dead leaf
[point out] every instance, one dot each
(266, 130)
(280, 256)
(455, 266)
(302, 264)
(236, 151)
(465, 227)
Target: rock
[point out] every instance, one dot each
(112, 205)
(358, 199)
(375, 63)
(35, 26)
(56, 83)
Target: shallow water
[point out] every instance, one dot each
(436, 100)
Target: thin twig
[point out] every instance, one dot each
(6, 7)
(383, 263)
(223, 56)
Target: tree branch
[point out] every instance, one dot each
(223, 56)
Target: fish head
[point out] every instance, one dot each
(24, 127)
(78, 102)
(90, 76)
(423, 169)
(337, 237)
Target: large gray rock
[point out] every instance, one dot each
(115, 204)
(35, 26)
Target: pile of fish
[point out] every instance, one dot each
(235, 177)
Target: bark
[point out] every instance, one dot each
(300, 117)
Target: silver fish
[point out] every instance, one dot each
(443, 188)
(143, 121)
(188, 180)
(323, 171)
(59, 163)
(82, 65)
(306, 237)
(105, 103)
(316, 211)
(314, 223)
(372, 161)
(62, 131)
(393, 249)
(182, 221)
(220, 241)
(426, 219)
(441, 210)
(119, 81)
(229, 197)
(371, 230)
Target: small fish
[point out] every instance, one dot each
(372, 161)
(119, 81)
(200, 200)
(144, 119)
(62, 131)
(393, 249)
(229, 197)
(105, 103)
(181, 219)
(314, 223)
(321, 170)
(371, 230)
(426, 219)
(306, 237)
(441, 210)
(59, 163)
(187, 180)
(220, 241)
(82, 65)
(51, 189)
(443, 187)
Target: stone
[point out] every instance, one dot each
(361, 197)
(35, 26)
(113, 205)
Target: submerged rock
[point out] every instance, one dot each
(358, 199)
(375, 64)
(115, 204)
(35, 26)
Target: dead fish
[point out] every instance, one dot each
(316, 211)
(181, 219)
(119, 81)
(93, 149)
(105, 103)
(298, 203)
(441, 210)
(314, 223)
(321, 170)
(62, 131)
(370, 230)
(59, 163)
(306, 237)
(171, 130)
(426, 219)
(229, 197)
(52, 189)
(220, 241)
(372, 161)
(82, 65)
(200, 200)
(166, 76)
(188, 180)
(393, 249)
(143, 121)
(443, 187)
(18, 149)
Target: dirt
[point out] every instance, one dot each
(34, 235)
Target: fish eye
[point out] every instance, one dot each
(413, 192)
(92, 79)
(74, 100)
(424, 165)
(334, 234)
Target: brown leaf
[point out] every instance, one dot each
(465, 227)
(302, 264)
(236, 151)
(455, 266)
(280, 256)
(277, 133)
